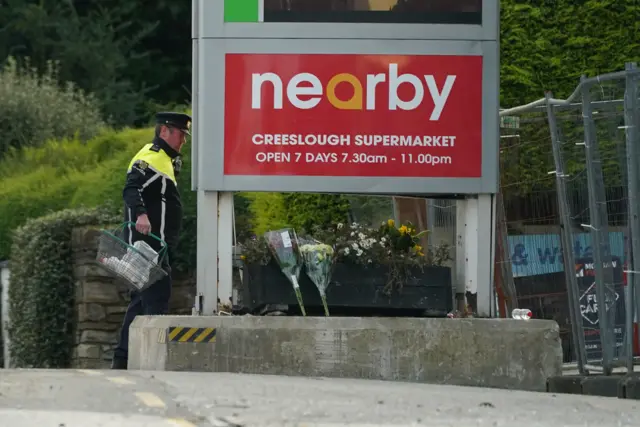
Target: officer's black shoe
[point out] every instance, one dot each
(119, 363)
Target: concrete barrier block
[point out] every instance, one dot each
(501, 353)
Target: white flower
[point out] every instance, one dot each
(353, 233)
(361, 236)
(346, 251)
(369, 261)
(359, 252)
(355, 246)
(340, 225)
(384, 239)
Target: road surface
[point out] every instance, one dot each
(72, 398)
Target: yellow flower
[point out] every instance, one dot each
(403, 229)
(420, 254)
(242, 257)
(391, 223)
(418, 248)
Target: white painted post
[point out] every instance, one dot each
(206, 303)
(474, 251)
(461, 254)
(4, 313)
(225, 248)
(495, 312)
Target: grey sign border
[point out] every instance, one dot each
(212, 12)
(209, 86)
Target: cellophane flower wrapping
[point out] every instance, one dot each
(319, 259)
(284, 247)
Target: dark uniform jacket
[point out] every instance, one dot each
(152, 188)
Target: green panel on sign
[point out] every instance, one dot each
(241, 10)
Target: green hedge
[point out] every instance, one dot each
(62, 174)
(41, 297)
(72, 174)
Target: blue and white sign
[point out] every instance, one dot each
(535, 254)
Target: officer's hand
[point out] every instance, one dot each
(143, 225)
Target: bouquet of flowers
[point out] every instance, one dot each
(318, 260)
(283, 245)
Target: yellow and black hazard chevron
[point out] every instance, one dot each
(184, 334)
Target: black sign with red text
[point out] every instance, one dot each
(589, 309)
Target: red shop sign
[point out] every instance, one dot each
(353, 115)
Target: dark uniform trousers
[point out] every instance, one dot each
(151, 189)
(154, 300)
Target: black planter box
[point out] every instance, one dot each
(353, 290)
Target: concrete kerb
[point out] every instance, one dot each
(501, 353)
(621, 385)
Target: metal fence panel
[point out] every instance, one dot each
(580, 193)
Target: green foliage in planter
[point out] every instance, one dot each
(35, 108)
(395, 247)
(42, 289)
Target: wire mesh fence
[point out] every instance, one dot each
(568, 174)
(441, 218)
(531, 217)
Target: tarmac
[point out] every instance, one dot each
(87, 398)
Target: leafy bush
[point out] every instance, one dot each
(271, 211)
(306, 211)
(42, 290)
(34, 108)
(267, 212)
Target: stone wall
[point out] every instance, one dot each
(101, 302)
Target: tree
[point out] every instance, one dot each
(130, 55)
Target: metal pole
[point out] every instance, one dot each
(508, 284)
(584, 82)
(599, 230)
(632, 122)
(431, 221)
(567, 243)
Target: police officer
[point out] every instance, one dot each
(152, 202)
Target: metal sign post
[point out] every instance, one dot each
(352, 97)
